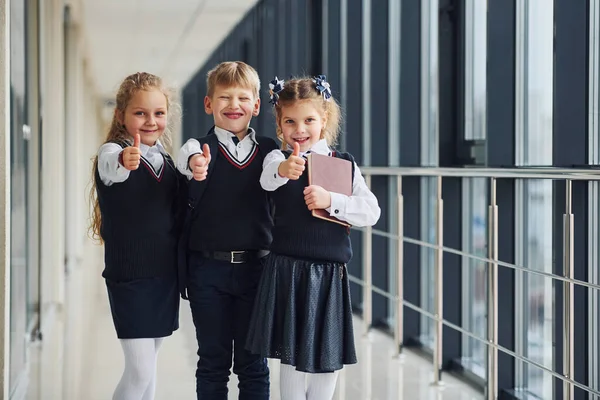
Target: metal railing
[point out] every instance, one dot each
(491, 341)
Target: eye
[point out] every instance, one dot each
(224, 97)
(288, 121)
(161, 113)
(311, 119)
(244, 98)
(139, 113)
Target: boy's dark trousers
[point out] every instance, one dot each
(221, 298)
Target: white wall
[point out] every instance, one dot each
(72, 132)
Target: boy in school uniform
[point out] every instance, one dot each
(227, 233)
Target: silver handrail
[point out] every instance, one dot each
(568, 281)
(499, 173)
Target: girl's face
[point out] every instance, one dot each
(302, 123)
(146, 114)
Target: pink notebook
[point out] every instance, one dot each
(332, 174)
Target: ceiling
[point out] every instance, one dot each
(171, 39)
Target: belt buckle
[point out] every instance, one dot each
(233, 254)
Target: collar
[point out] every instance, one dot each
(224, 136)
(320, 147)
(158, 147)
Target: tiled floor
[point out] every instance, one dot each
(377, 376)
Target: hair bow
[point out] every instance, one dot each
(275, 87)
(323, 86)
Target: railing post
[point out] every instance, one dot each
(492, 299)
(398, 332)
(439, 288)
(568, 304)
(367, 248)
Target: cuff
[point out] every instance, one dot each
(275, 174)
(338, 205)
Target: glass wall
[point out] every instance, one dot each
(534, 229)
(429, 157)
(24, 293)
(19, 158)
(475, 199)
(464, 78)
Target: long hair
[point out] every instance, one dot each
(304, 89)
(117, 133)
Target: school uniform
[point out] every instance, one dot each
(227, 236)
(140, 230)
(303, 314)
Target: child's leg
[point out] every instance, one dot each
(151, 389)
(252, 369)
(321, 386)
(140, 364)
(292, 383)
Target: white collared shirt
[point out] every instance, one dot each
(111, 171)
(360, 209)
(239, 151)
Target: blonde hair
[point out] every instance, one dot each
(117, 132)
(233, 73)
(305, 89)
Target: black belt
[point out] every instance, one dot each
(235, 257)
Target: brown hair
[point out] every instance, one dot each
(117, 132)
(305, 89)
(233, 73)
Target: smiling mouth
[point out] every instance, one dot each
(149, 131)
(300, 140)
(233, 115)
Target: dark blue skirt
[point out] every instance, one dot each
(144, 308)
(303, 315)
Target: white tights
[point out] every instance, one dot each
(139, 377)
(296, 385)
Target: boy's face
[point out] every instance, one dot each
(232, 108)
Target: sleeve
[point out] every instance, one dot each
(270, 179)
(109, 168)
(360, 209)
(191, 147)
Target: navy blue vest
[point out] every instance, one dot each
(140, 222)
(233, 212)
(298, 234)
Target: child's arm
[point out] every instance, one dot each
(192, 160)
(115, 162)
(270, 179)
(360, 209)
(277, 170)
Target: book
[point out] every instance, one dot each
(332, 174)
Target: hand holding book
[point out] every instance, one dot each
(328, 174)
(317, 198)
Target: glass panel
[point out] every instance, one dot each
(534, 199)
(428, 234)
(429, 157)
(474, 209)
(475, 205)
(18, 205)
(594, 195)
(475, 69)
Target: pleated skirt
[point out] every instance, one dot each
(303, 315)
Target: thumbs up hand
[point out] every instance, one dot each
(293, 167)
(131, 155)
(317, 198)
(199, 163)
